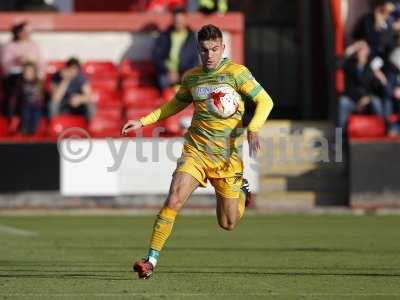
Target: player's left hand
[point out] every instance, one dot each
(131, 125)
(254, 143)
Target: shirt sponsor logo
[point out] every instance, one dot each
(204, 91)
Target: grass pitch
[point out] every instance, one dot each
(267, 257)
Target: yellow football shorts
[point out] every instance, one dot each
(225, 173)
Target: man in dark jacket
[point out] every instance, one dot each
(175, 52)
(375, 28)
(363, 82)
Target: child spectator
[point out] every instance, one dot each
(29, 94)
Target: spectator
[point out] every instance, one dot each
(29, 94)
(376, 30)
(17, 52)
(393, 92)
(211, 6)
(70, 92)
(27, 5)
(175, 52)
(363, 83)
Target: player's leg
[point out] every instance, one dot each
(229, 212)
(182, 186)
(233, 196)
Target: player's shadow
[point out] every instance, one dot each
(64, 275)
(220, 249)
(262, 249)
(292, 273)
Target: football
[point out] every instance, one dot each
(223, 102)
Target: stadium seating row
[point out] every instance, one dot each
(104, 124)
(120, 93)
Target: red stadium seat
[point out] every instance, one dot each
(168, 93)
(100, 69)
(58, 125)
(139, 97)
(53, 66)
(129, 68)
(137, 73)
(3, 127)
(110, 112)
(394, 118)
(42, 128)
(177, 124)
(366, 126)
(147, 131)
(131, 82)
(102, 126)
(106, 98)
(110, 84)
(40, 133)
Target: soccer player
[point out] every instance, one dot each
(212, 144)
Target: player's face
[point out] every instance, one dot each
(211, 52)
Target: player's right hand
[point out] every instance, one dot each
(131, 125)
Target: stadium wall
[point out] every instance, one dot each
(98, 167)
(374, 173)
(127, 167)
(114, 36)
(29, 167)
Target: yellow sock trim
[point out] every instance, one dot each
(162, 228)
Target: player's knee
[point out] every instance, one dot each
(175, 201)
(227, 225)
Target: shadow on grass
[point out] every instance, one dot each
(219, 249)
(64, 276)
(82, 275)
(282, 273)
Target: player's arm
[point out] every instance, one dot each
(181, 100)
(249, 87)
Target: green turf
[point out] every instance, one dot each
(275, 257)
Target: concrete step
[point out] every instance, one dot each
(298, 200)
(303, 183)
(299, 169)
(305, 128)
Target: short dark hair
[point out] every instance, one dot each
(73, 62)
(209, 32)
(379, 3)
(17, 29)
